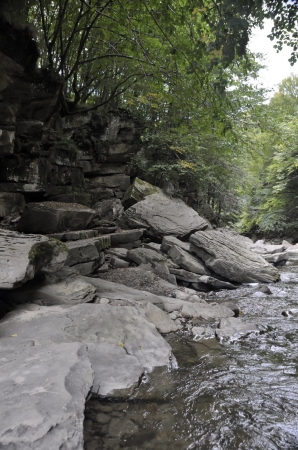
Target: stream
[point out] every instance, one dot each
(229, 395)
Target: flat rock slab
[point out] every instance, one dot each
(233, 327)
(22, 256)
(215, 283)
(115, 291)
(229, 257)
(42, 395)
(162, 215)
(65, 287)
(145, 255)
(86, 250)
(125, 237)
(205, 311)
(188, 262)
(96, 324)
(52, 217)
(169, 241)
(160, 319)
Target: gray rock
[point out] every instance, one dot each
(276, 257)
(162, 270)
(185, 275)
(52, 217)
(118, 263)
(22, 256)
(188, 262)
(109, 209)
(118, 252)
(145, 255)
(86, 250)
(138, 190)
(228, 257)
(65, 287)
(266, 248)
(115, 291)
(153, 246)
(160, 319)
(11, 203)
(125, 237)
(169, 241)
(234, 328)
(74, 235)
(205, 311)
(162, 216)
(42, 394)
(99, 325)
(215, 283)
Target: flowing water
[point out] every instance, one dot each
(232, 395)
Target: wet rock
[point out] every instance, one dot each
(102, 418)
(60, 288)
(121, 342)
(122, 427)
(22, 256)
(52, 217)
(228, 257)
(276, 258)
(42, 395)
(160, 319)
(188, 262)
(162, 216)
(138, 190)
(214, 283)
(232, 327)
(205, 311)
(202, 332)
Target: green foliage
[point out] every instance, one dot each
(273, 206)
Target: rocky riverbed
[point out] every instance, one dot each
(102, 308)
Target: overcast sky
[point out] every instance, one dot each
(278, 66)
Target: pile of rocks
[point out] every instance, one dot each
(66, 314)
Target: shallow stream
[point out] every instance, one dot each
(233, 395)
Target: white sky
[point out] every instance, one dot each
(278, 66)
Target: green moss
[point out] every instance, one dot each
(44, 251)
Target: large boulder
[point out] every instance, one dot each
(228, 257)
(43, 390)
(109, 209)
(22, 256)
(95, 325)
(137, 191)
(52, 217)
(188, 262)
(162, 215)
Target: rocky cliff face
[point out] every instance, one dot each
(80, 159)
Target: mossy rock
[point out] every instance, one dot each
(46, 255)
(138, 191)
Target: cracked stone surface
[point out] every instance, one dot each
(22, 256)
(229, 257)
(162, 215)
(99, 325)
(42, 395)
